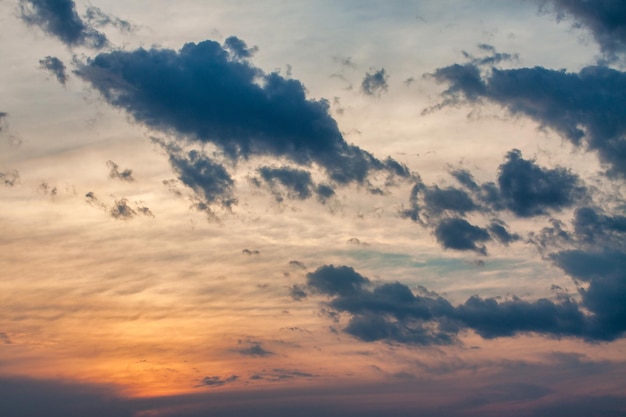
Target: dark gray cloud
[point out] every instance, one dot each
(217, 381)
(375, 82)
(239, 48)
(9, 178)
(606, 19)
(252, 349)
(209, 180)
(56, 67)
(392, 312)
(529, 190)
(459, 234)
(210, 94)
(97, 18)
(115, 173)
(522, 187)
(342, 280)
(498, 230)
(60, 19)
(122, 211)
(585, 107)
(297, 292)
(297, 182)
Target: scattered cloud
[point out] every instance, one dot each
(375, 82)
(217, 381)
(115, 173)
(56, 67)
(97, 18)
(10, 178)
(252, 349)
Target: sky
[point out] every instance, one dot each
(354, 208)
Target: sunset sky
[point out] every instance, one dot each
(312, 208)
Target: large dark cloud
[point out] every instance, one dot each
(585, 107)
(207, 92)
(60, 19)
(393, 312)
(606, 19)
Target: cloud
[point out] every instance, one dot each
(122, 211)
(456, 233)
(239, 48)
(125, 175)
(4, 339)
(297, 182)
(498, 230)
(297, 292)
(392, 312)
(97, 18)
(9, 178)
(375, 82)
(207, 178)
(250, 252)
(216, 381)
(56, 67)
(254, 349)
(606, 19)
(529, 190)
(585, 107)
(60, 19)
(213, 95)
(331, 280)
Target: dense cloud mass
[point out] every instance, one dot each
(60, 19)
(210, 93)
(392, 312)
(523, 188)
(585, 107)
(606, 19)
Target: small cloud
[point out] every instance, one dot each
(297, 292)
(375, 82)
(122, 211)
(9, 178)
(115, 173)
(98, 18)
(254, 349)
(56, 67)
(216, 381)
(4, 339)
(297, 264)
